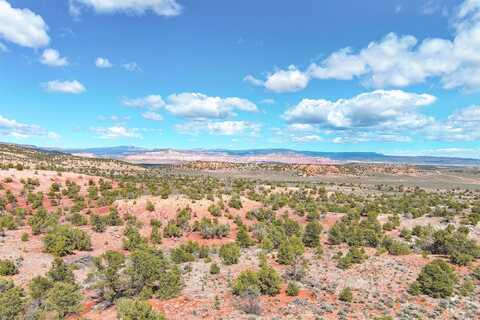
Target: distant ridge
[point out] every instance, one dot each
(169, 155)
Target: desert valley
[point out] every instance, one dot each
(89, 238)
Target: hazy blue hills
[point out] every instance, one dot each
(120, 152)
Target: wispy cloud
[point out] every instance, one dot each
(115, 132)
(154, 116)
(13, 128)
(223, 128)
(72, 87)
(135, 7)
(132, 67)
(153, 101)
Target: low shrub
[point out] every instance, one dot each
(64, 240)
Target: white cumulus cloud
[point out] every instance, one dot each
(51, 57)
(377, 108)
(398, 61)
(103, 63)
(22, 26)
(289, 80)
(198, 105)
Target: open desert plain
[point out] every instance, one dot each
(82, 238)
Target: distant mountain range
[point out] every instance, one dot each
(159, 156)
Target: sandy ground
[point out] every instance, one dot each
(379, 284)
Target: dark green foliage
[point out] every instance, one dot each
(64, 298)
(12, 301)
(473, 218)
(215, 210)
(42, 221)
(392, 223)
(99, 224)
(266, 281)
(230, 253)
(211, 229)
(150, 206)
(277, 235)
(184, 252)
(246, 283)
(150, 271)
(78, 219)
(476, 273)
(109, 279)
(93, 192)
(60, 271)
(39, 287)
(406, 234)
(267, 244)
(311, 236)
(291, 227)
(132, 239)
(243, 238)
(346, 295)
(214, 269)
(113, 218)
(183, 218)
(356, 232)
(165, 191)
(134, 309)
(175, 228)
(8, 268)
(456, 244)
(7, 222)
(57, 292)
(146, 272)
(235, 202)
(395, 247)
(355, 255)
(467, 288)
(64, 240)
(269, 280)
(262, 214)
(437, 279)
(203, 252)
(156, 235)
(290, 250)
(35, 199)
(292, 289)
(172, 230)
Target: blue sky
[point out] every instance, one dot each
(398, 77)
